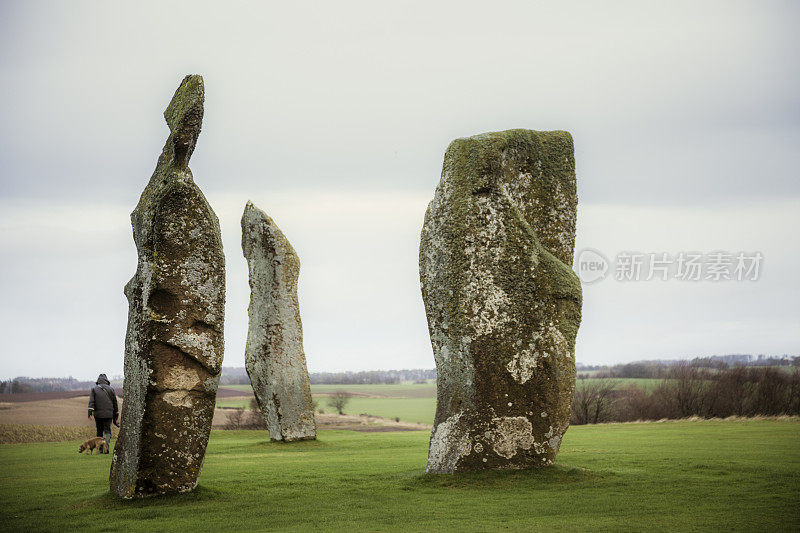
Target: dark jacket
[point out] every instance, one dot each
(102, 400)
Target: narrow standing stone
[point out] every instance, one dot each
(274, 356)
(502, 302)
(174, 344)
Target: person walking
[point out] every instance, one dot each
(103, 406)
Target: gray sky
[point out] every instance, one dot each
(334, 117)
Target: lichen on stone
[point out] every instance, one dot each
(511, 434)
(174, 343)
(274, 355)
(502, 302)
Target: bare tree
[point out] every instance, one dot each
(794, 393)
(338, 400)
(688, 384)
(592, 400)
(772, 392)
(234, 417)
(254, 418)
(603, 399)
(581, 402)
(728, 393)
(690, 390)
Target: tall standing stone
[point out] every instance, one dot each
(274, 356)
(174, 343)
(502, 302)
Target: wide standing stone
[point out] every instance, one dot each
(503, 304)
(274, 356)
(174, 344)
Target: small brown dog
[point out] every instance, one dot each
(96, 443)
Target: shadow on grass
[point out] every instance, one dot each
(108, 500)
(288, 447)
(551, 476)
(259, 439)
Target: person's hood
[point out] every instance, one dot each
(102, 380)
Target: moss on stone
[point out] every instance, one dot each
(503, 303)
(274, 355)
(175, 338)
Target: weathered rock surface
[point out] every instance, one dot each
(274, 356)
(502, 302)
(174, 343)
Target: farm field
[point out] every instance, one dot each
(410, 402)
(69, 412)
(428, 390)
(647, 384)
(413, 403)
(414, 410)
(686, 475)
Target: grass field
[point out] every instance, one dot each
(416, 410)
(706, 475)
(647, 384)
(410, 402)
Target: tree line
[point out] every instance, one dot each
(660, 369)
(238, 376)
(689, 390)
(23, 384)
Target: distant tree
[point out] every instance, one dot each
(17, 386)
(338, 400)
(688, 384)
(794, 393)
(234, 376)
(235, 417)
(772, 391)
(728, 392)
(372, 376)
(253, 419)
(592, 400)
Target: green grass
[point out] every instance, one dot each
(410, 402)
(417, 410)
(234, 402)
(706, 475)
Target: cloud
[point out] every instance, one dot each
(667, 103)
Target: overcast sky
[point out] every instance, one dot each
(334, 117)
